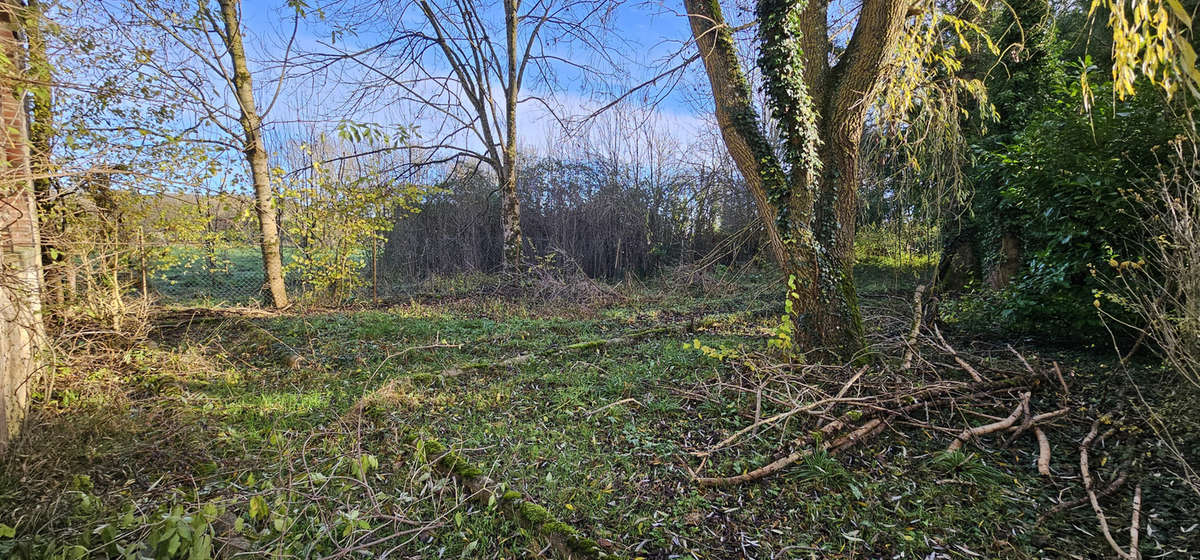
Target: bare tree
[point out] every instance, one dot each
(201, 59)
(457, 69)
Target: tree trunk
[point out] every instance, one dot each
(256, 155)
(510, 208)
(992, 233)
(510, 219)
(1008, 262)
(807, 201)
(41, 132)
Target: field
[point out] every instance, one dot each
(471, 422)
(187, 275)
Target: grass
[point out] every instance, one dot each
(203, 436)
(188, 275)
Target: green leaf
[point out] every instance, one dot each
(258, 508)
(7, 532)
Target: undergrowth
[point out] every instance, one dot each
(203, 441)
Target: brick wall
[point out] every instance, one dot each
(20, 317)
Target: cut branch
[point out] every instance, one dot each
(1043, 463)
(958, 359)
(1089, 487)
(993, 427)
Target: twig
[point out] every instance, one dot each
(426, 347)
(1112, 487)
(1040, 418)
(846, 386)
(1061, 380)
(1135, 522)
(767, 470)
(610, 405)
(782, 415)
(866, 430)
(1034, 421)
(1022, 358)
(911, 341)
(957, 359)
(1088, 486)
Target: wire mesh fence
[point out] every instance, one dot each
(230, 273)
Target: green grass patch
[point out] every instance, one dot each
(208, 440)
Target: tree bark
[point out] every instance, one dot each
(808, 201)
(510, 213)
(41, 133)
(256, 155)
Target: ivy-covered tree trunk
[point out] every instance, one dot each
(256, 155)
(807, 192)
(41, 134)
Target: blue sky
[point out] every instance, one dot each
(649, 32)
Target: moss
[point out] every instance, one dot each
(432, 447)
(448, 460)
(375, 411)
(459, 466)
(547, 525)
(533, 514)
(556, 527)
(527, 513)
(583, 545)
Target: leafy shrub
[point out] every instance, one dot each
(1062, 185)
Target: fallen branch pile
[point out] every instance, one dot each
(887, 398)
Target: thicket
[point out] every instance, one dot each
(608, 218)
(1061, 183)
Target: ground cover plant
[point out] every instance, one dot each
(366, 432)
